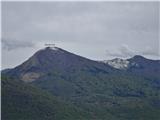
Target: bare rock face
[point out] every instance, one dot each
(30, 77)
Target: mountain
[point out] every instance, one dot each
(138, 64)
(54, 61)
(107, 93)
(145, 67)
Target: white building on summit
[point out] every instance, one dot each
(51, 46)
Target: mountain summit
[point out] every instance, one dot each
(55, 59)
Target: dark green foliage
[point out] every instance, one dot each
(21, 101)
(114, 97)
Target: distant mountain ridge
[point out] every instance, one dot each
(56, 59)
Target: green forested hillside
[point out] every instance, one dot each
(108, 97)
(21, 101)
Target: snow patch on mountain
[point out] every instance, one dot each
(122, 64)
(118, 63)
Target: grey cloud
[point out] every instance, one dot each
(122, 51)
(9, 45)
(125, 28)
(78, 20)
(125, 51)
(150, 51)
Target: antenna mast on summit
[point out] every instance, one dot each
(50, 45)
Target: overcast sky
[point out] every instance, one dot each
(96, 30)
